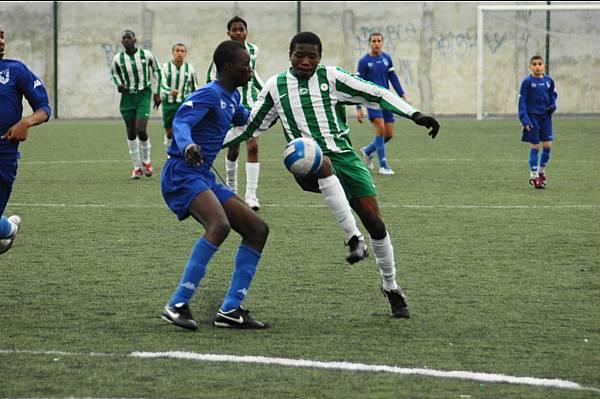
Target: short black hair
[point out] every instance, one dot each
(305, 38)
(375, 34)
(226, 52)
(178, 44)
(234, 20)
(128, 31)
(536, 57)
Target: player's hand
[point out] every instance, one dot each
(192, 155)
(157, 101)
(551, 109)
(174, 93)
(428, 122)
(121, 89)
(405, 98)
(18, 131)
(527, 127)
(360, 115)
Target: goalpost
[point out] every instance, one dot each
(575, 34)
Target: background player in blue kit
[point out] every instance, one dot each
(16, 81)
(537, 103)
(376, 66)
(189, 188)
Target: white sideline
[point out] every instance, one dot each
(342, 366)
(381, 205)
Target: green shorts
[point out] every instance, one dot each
(169, 111)
(352, 174)
(135, 105)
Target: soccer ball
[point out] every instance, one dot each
(302, 156)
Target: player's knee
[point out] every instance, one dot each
(219, 230)
(261, 232)
(141, 134)
(326, 168)
(233, 153)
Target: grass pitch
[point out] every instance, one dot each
(502, 278)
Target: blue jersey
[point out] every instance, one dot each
(204, 118)
(16, 81)
(536, 97)
(379, 70)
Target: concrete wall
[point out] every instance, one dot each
(433, 45)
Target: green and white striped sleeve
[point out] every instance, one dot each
(165, 90)
(353, 89)
(193, 82)
(262, 116)
(115, 72)
(156, 73)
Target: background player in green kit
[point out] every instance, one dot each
(133, 72)
(237, 29)
(178, 80)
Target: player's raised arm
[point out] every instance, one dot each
(356, 90)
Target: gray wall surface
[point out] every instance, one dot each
(433, 46)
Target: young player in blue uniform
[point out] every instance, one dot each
(376, 66)
(537, 103)
(189, 188)
(16, 81)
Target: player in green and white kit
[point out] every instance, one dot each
(309, 100)
(178, 80)
(237, 29)
(133, 72)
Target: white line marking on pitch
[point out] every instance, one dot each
(341, 366)
(382, 205)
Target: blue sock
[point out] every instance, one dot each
(371, 147)
(246, 260)
(5, 227)
(545, 157)
(194, 271)
(380, 143)
(533, 159)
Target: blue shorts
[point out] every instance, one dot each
(181, 183)
(541, 130)
(8, 174)
(388, 116)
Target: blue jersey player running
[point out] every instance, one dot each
(189, 188)
(16, 81)
(376, 66)
(537, 103)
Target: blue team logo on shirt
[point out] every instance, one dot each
(385, 62)
(223, 104)
(533, 85)
(4, 76)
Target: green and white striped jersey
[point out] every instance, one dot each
(182, 79)
(316, 107)
(250, 91)
(136, 72)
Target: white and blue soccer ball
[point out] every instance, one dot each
(302, 156)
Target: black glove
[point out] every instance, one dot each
(192, 155)
(428, 122)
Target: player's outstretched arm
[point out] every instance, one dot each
(427, 121)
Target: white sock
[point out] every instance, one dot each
(533, 174)
(252, 172)
(384, 256)
(231, 174)
(542, 170)
(13, 228)
(134, 153)
(336, 200)
(145, 148)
